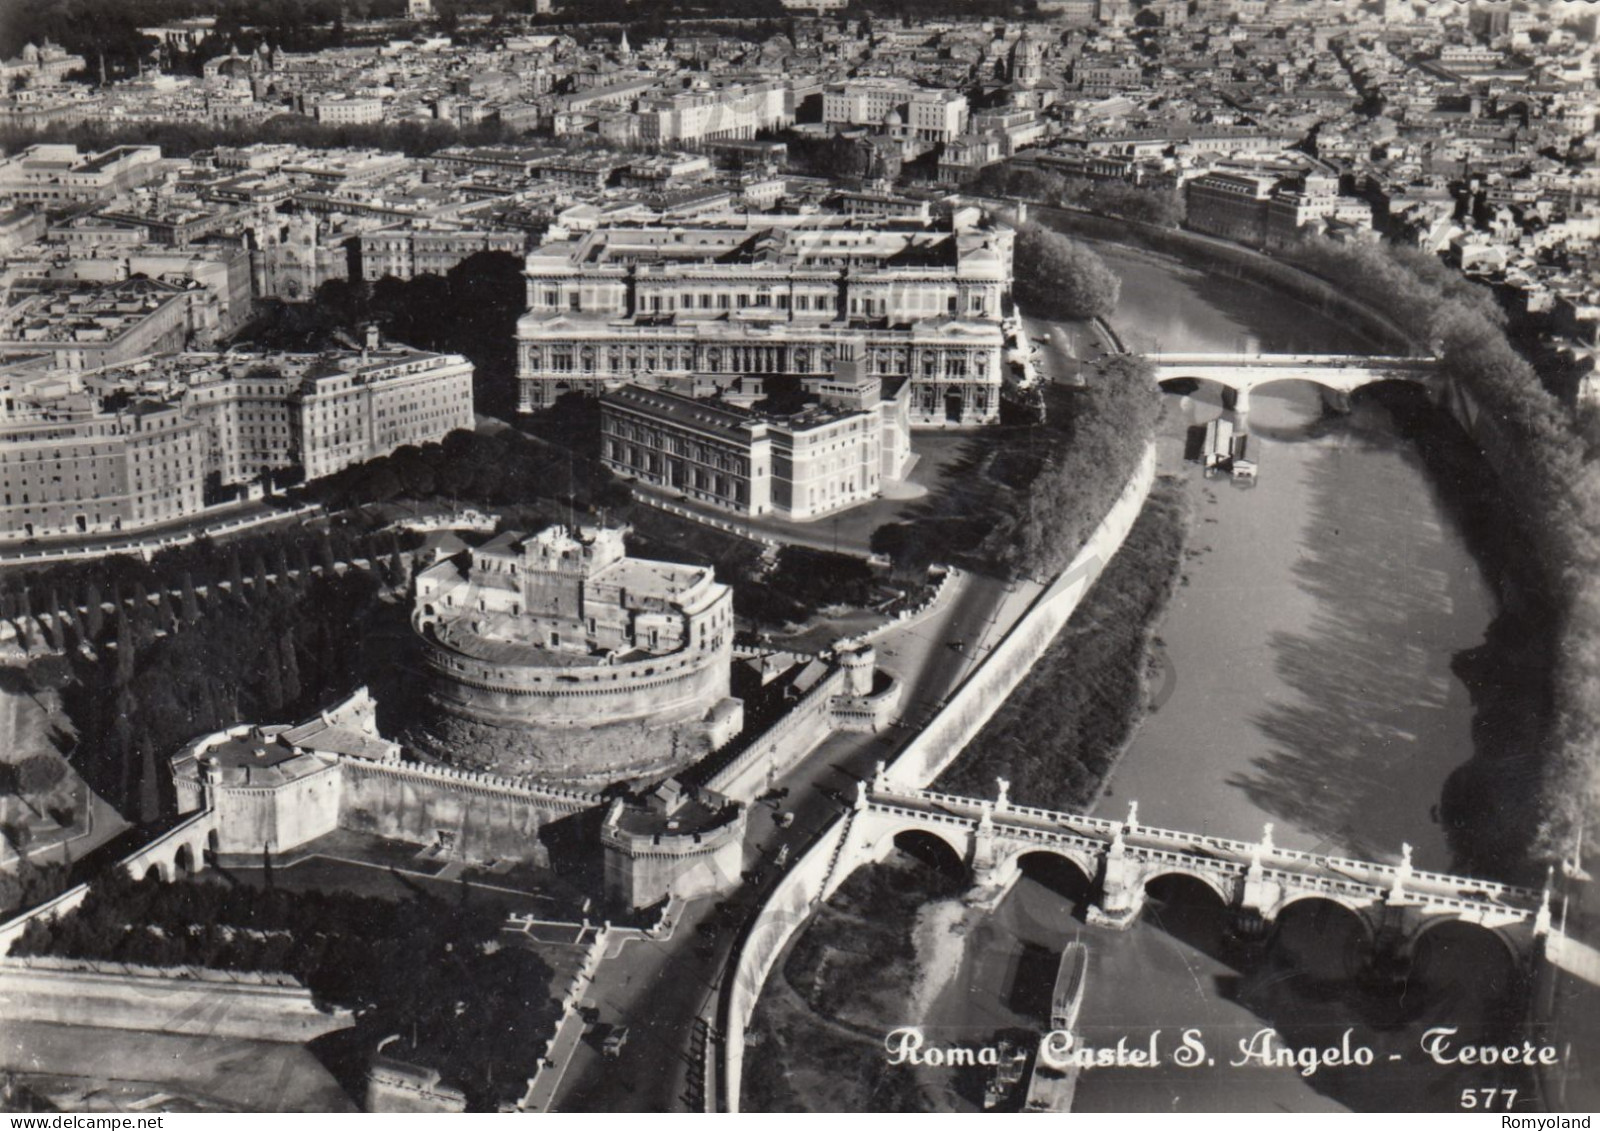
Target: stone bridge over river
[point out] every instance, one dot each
(1242, 373)
(1396, 904)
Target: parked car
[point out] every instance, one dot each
(612, 1046)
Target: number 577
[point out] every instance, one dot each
(1487, 1098)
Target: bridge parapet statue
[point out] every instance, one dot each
(1259, 879)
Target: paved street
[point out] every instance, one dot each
(659, 1003)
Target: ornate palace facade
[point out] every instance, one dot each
(773, 297)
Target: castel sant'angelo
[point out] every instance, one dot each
(557, 657)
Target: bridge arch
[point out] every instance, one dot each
(1221, 886)
(1431, 926)
(1348, 385)
(1356, 908)
(1063, 870)
(1328, 939)
(925, 841)
(1182, 384)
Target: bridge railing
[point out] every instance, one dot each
(1294, 360)
(1045, 836)
(1143, 835)
(1371, 881)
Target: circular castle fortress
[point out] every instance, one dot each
(558, 657)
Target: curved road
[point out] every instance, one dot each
(664, 990)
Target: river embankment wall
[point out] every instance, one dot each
(830, 859)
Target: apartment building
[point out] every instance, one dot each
(99, 473)
(1230, 205)
(95, 327)
(404, 253)
(324, 412)
(199, 423)
(56, 175)
(930, 116)
(697, 117)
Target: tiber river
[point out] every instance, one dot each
(1307, 682)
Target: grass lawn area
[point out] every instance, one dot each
(816, 1041)
(365, 865)
(32, 723)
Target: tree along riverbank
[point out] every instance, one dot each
(1535, 683)
(816, 1041)
(1552, 499)
(1058, 735)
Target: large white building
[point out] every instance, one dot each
(732, 113)
(784, 298)
(920, 117)
(827, 456)
(324, 412)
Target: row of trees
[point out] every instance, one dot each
(1553, 490)
(73, 594)
(262, 652)
(505, 467)
(109, 29)
(471, 310)
(33, 776)
(428, 968)
(29, 884)
(1060, 278)
(1058, 735)
(1106, 432)
(1151, 204)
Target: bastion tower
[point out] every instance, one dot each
(558, 657)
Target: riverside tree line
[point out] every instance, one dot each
(1554, 492)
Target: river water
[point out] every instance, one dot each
(1306, 680)
(1307, 654)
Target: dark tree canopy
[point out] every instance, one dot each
(1059, 278)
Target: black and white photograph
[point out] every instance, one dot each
(759, 556)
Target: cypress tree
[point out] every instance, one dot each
(191, 601)
(166, 617)
(127, 650)
(79, 634)
(290, 670)
(94, 610)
